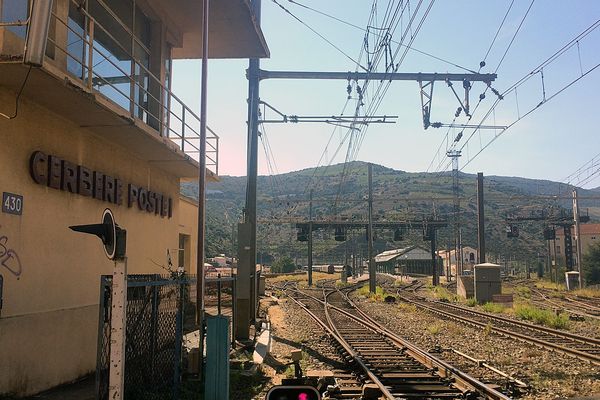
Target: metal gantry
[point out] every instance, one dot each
(247, 234)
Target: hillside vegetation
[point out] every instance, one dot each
(399, 196)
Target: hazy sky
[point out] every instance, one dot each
(550, 143)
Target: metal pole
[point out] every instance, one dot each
(549, 263)
(246, 285)
(371, 257)
(555, 260)
(577, 236)
(435, 275)
(202, 188)
(397, 76)
(460, 262)
(310, 240)
(118, 323)
(480, 219)
(219, 294)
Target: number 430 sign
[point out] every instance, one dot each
(12, 203)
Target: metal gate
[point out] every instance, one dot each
(153, 343)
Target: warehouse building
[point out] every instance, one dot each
(414, 260)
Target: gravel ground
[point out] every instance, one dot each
(293, 329)
(588, 327)
(551, 375)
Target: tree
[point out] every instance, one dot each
(282, 265)
(591, 264)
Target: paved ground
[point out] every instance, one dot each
(80, 390)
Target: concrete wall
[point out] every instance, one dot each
(51, 280)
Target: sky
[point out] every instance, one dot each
(551, 142)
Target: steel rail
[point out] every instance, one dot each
(587, 307)
(593, 358)
(354, 354)
(572, 336)
(463, 381)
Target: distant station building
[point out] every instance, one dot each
(96, 126)
(469, 258)
(409, 260)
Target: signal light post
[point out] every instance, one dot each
(114, 241)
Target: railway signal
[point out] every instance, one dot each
(293, 392)
(340, 234)
(512, 231)
(113, 237)
(398, 235)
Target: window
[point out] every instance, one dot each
(183, 253)
(13, 11)
(557, 249)
(124, 55)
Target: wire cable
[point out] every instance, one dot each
(19, 93)
(319, 35)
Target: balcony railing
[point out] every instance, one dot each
(127, 82)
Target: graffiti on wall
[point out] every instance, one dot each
(9, 258)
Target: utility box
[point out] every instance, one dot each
(487, 281)
(464, 286)
(217, 358)
(572, 280)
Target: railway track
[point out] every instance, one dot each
(586, 308)
(582, 347)
(579, 306)
(399, 369)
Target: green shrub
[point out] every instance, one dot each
(493, 308)
(471, 302)
(443, 294)
(542, 317)
(523, 291)
(364, 291)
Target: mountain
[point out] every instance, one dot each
(398, 196)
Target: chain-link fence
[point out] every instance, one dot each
(161, 319)
(155, 316)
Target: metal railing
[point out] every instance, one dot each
(145, 95)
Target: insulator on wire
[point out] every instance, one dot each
(482, 64)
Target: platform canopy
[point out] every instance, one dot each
(233, 29)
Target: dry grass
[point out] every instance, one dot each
(587, 292)
(303, 278)
(407, 307)
(435, 328)
(545, 284)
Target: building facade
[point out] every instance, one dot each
(409, 260)
(469, 258)
(590, 234)
(95, 127)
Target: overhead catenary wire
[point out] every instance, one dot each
(390, 24)
(496, 35)
(483, 95)
(319, 35)
(553, 58)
